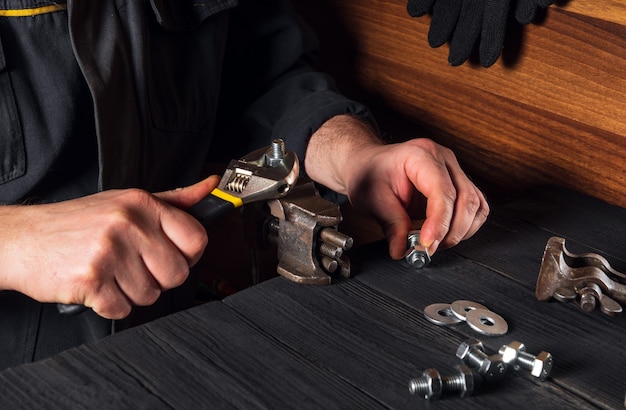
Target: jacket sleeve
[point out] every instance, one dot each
(271, 88)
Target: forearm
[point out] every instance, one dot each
(13, 224)
(108, 251)
(334, 147)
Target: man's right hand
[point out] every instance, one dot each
(107, 251)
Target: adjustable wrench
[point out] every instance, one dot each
(267, 173)
(264, 174)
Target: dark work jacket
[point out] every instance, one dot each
(128, 93)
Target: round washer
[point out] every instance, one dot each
(461, 307)
(487, 322)
(440, 314)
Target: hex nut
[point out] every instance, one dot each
(471, 352)
(467, 384)
(542, 365)
(493, 368)
(511, 351)
(468, 346)
(429, 385)
(417, 257)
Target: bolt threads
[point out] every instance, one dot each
(416, 255)
(278, 149)
(452, 383)
(475, 358)
(525, 360)
(413, 239)
(276, 153)
(416, 259)
(418, 386)
(588, 302)
(429, 385)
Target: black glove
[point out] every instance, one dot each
(526, 10)
(463, 22)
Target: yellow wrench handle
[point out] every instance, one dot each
(214, 205)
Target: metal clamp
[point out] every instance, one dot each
(587, 279)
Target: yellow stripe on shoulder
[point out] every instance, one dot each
(237, 202)
(33, 11)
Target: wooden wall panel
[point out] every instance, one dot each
(552, 109)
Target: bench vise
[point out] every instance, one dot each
(303, 227)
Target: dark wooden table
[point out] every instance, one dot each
(356, 343)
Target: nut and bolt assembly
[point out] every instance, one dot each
(515, 354)
(417, 256)
(431, 384)
(494, 367)
(478, 366)
(490, 367)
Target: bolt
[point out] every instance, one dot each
(431, 384)
(472, 352)
(510, 352)
(416, 255)
(589, 293)
(539, 366)
(491, 368)
(276, 152)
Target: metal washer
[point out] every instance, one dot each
(461, 307)
(440, 314)
(487, 322)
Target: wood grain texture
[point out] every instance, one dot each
(607, 10)
(356, 343)
(551, 110)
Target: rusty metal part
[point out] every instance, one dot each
(416, 255)
(589, 276)
(303, 226)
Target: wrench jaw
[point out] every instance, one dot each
(264, 174)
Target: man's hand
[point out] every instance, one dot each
(397, 183)
(107, 251)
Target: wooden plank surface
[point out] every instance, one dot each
(357, 342)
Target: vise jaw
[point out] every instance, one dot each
(303, 226)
